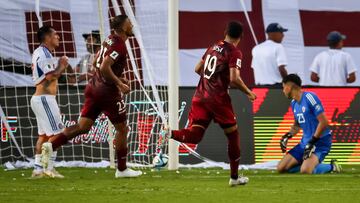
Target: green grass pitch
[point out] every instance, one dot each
(186, 185)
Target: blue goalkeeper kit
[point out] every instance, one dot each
(306, 112)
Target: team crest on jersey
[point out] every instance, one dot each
(109, 41)
(238, 63)
(61, 126)
(303, 109)
(114, 55)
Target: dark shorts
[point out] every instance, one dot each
(202, 113)
(105, 101)
(321, 151)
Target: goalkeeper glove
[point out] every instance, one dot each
(284, 141)
(310, 147)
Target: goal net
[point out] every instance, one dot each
(147, 104)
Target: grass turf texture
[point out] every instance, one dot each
(187, 185)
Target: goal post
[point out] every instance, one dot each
(173, 89)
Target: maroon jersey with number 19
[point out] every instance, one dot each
(215, 78)
(102, 95)
(211, 99)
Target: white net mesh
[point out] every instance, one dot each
(146, 69)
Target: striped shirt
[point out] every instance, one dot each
(42, 63)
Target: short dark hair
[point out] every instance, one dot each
(118, 21)
(43, 31)
(294, 78)
(234, 29)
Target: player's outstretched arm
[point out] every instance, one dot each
(106, 71)
(63, 63)
(237, 82)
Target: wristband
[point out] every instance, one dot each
(313, 140)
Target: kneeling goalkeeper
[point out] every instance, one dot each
(315, 144)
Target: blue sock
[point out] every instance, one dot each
(294, 169)
(322, 168)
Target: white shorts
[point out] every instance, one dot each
(47, 114)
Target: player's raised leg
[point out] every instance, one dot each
(58, 140)
(121, 152)
(193, 134)
(199, 119)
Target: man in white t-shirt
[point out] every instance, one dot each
(85, 69)
(333, 67)
(269, 58)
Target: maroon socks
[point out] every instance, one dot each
(234, 152)
(121, 158)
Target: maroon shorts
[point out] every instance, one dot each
(104, 100)
(202, 113)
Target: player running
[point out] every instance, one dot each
(219, 68)
(105, 93)
(46, 72)
(315, 144)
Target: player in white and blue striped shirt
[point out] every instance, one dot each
(46, 71)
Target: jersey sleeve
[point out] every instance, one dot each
(315, 65)
(350, 65)
(314, 103)
(205, 54)
(281, 56)
(116, 50)
(235, 59)
(45, 65)
(253, 60)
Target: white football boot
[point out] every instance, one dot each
(127, 173)
(53, 173)
(336, 166)
(46, 152)
(242, 180)
(37, 174)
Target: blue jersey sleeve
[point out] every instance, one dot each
(314, 103)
